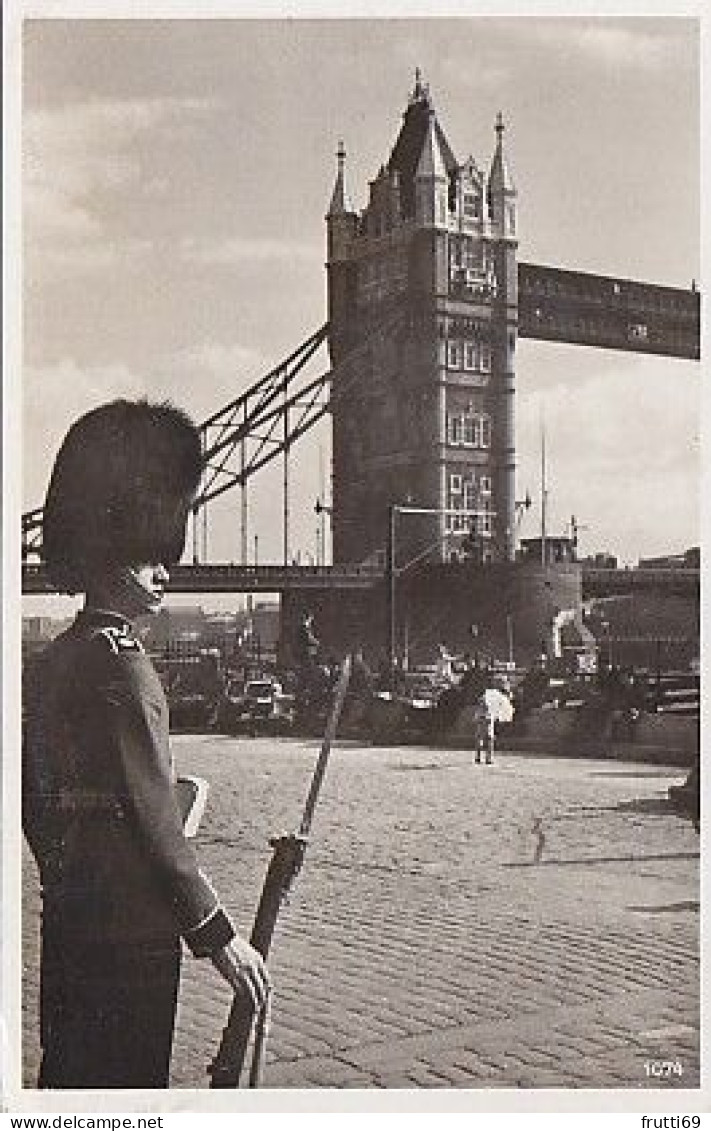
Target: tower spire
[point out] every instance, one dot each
(340, 203)
(421, 91)
(500, 179)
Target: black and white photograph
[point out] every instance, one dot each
(353, 428)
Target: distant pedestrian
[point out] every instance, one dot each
(493, 706)
(537, 830)
(120, 882)
(483, 731)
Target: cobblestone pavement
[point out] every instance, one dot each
(424, 945)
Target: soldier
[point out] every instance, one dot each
(120, 882)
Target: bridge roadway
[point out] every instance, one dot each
(230, 578)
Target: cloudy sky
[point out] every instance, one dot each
(176, 173)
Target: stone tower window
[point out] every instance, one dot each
(455, 503)
(454, 428)
(471, 206)
(454, 355)
(470, 495)
(470, 429)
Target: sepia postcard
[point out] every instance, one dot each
(423, 674)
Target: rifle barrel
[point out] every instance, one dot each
(287, 856)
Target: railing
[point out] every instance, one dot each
(598, 581)
(231, 578)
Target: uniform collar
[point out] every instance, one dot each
(104, 618)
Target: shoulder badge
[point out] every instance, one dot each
(119, 640)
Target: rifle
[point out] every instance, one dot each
(286, 861)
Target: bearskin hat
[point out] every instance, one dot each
(120, 491)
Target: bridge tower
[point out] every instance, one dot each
(424, 280)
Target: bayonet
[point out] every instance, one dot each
(287, 859)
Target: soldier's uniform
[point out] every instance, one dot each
(120, 883)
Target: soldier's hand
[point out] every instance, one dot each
(244, 968)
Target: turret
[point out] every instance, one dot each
(501, 198)
(501, 191)
(341, 228)
(341, 218)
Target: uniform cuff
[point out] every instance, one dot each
(211, 935)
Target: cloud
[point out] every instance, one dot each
(56, 262)
(77, 159)
(612, 42)
(209, 376)
(200, 380)
(613, 45)
(220, 360)
(494, 65)
(623, 454)
(237, 251)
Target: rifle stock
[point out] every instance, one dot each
(287, 858)
(288, 854)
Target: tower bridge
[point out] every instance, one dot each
(230, 578)
(426, 303)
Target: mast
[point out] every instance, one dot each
(544, 495)
(321, 560)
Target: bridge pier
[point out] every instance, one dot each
(469, 608)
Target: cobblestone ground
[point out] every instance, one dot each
(424, 945)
